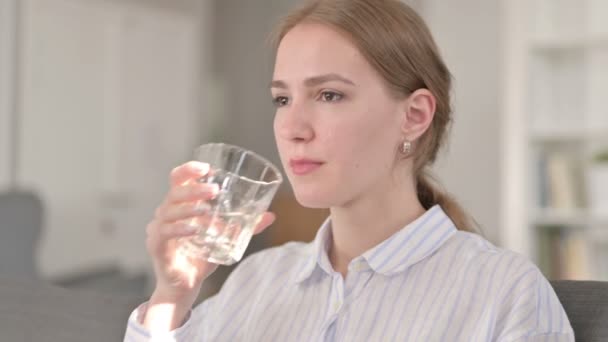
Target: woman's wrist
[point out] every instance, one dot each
(176, 296)
(167, 311)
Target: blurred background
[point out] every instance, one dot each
(100, 99)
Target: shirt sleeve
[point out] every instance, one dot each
(205, 321)
(550, 337)
(529, 310)
(188, 331)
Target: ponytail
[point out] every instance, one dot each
(429, 195)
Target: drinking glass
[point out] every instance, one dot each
(247, 184)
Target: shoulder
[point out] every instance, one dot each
(499, 271)
(523, 300)
(472, 253)
(474, 248)
(528, 306)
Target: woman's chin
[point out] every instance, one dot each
(312, 199)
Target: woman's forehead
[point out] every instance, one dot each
(312, 49)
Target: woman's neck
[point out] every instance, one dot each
(370, 219)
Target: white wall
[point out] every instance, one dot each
(243, 61)
(99, 147)
(7, 31)
(468, 33)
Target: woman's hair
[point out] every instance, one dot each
(397, 43)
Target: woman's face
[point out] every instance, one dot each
(337, 126)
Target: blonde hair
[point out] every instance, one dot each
(398, 44)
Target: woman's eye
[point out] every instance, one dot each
(280, 101)
(330, 96)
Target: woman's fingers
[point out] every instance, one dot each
(159, 233)
(266, 220)
(192, 192)
(180, 211)
(187, 172)
(177, 229)
(190, 219)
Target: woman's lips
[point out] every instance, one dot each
(302, 167)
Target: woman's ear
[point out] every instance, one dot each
(419, 110)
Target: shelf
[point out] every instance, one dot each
(556, 78)
(557, 44)
(569, 218)
(561, 134)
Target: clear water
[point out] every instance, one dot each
(224, 239)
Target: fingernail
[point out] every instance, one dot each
(201, 167)
(189, 228)
(273, 217)
(210, 191)
(201, 207)
(215, 189)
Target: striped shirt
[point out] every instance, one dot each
(427, 282)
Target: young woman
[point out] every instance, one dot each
(363, 107)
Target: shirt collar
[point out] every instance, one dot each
(317, 254)
(411, 244)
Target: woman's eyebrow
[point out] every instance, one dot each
(314, 81)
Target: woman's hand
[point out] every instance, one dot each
(178, 277)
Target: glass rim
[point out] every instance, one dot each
(264, 160)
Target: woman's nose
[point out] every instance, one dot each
(294, 123)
